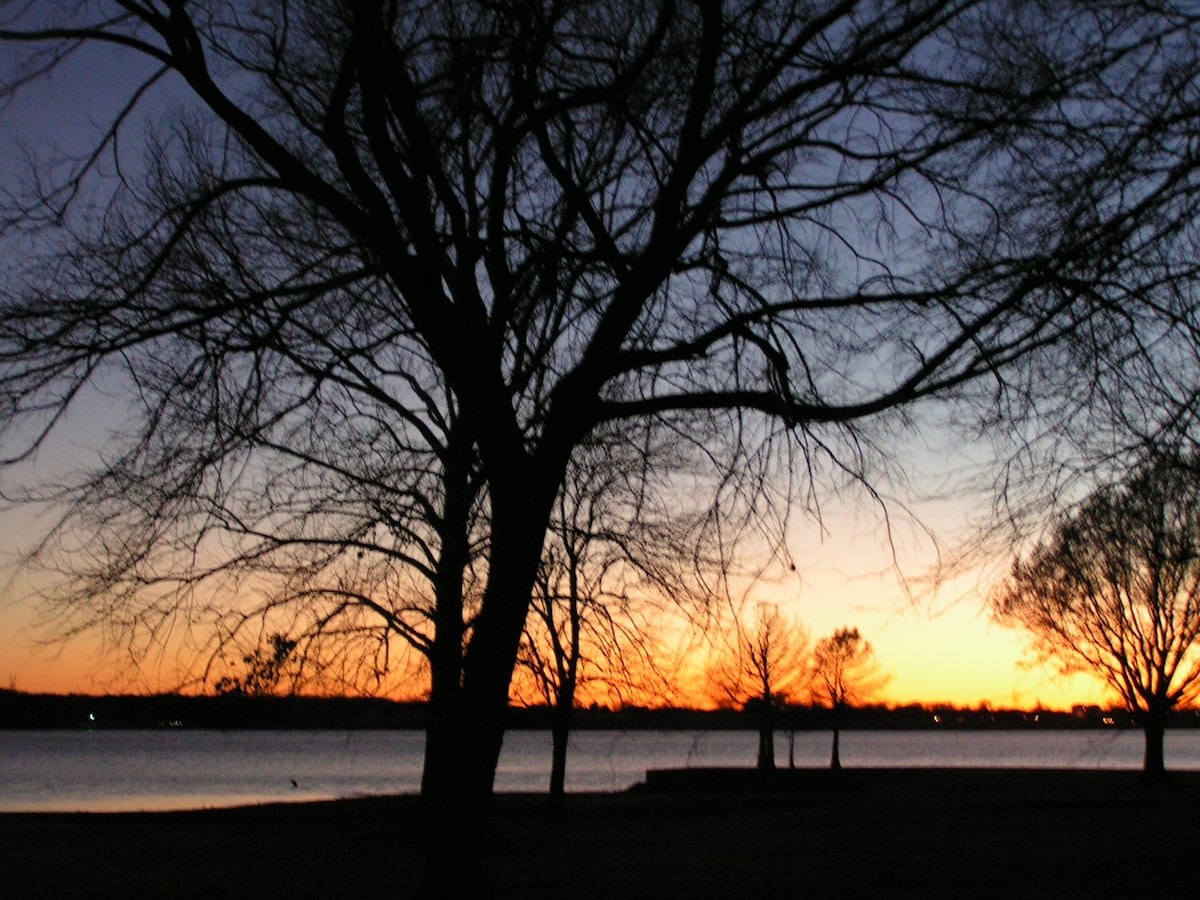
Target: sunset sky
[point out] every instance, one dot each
(933, 655)
(936, 646)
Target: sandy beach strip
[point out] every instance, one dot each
(808, 833)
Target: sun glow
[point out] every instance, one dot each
(940, 648)
(952, 655)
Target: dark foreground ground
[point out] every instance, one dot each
(858, 833)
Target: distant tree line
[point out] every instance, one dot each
(19, 710)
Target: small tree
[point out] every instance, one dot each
(1115, 590)
(845, 672)
(769, 665)
(579, 631)
(614, 557)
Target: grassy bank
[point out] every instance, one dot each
(860, 833)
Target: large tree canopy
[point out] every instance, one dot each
(366, 274)
(1114, 590)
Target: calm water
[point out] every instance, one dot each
(120, 770)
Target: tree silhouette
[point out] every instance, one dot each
(767, 667)
(614, 560)
(264, 670)
(361, 277)
(844, 672)
(1114, 590)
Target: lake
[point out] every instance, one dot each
(183, 769)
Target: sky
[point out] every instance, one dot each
(943, 648)
(935, 643)
(936, 647)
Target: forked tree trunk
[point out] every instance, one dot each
(445, 656)
(460, 785)
(458, 801)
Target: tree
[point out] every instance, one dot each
(1114, 590)
(363, 276)
(768, 666)
(844, 672)
(612, 560)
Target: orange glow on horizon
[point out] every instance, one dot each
(954, 658)
(936, 651)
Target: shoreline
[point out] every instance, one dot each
(711, 833)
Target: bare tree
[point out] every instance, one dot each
(614, 561)
(768, 666)
(380, 269)
(1114, 590)
(844, 672)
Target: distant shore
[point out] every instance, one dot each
(814, 833)
(25, 711)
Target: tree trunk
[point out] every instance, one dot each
(443, 712)
(766, 738)
(460, 787)
(446, 653)
(835, 757)
(560, 731)
(456, 809)
(1154, 762)
(442, 715)
(564, 700)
